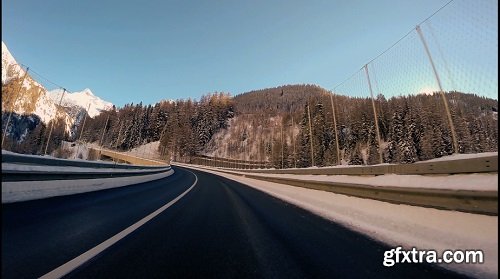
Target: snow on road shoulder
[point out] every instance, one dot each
(462, 156)
(474, 181)
(398, 225)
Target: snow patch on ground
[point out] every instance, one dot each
(463, 156)
(148, 150)
(474, 181)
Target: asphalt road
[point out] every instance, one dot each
(219, 229)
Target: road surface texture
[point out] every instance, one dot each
(219, 229)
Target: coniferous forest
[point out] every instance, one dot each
(273, 125)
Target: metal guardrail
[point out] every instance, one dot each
(119, 170)
(228, 163)
(479, 202)
(128, 158)
(469, 165)
(17, 175)
(50, 161)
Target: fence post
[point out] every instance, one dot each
(310, 134)
(374, 114)
(293, 143)
(282, 147)
(443, 97)
(272, 147)
(335, 129)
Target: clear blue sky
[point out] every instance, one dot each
(132, 51)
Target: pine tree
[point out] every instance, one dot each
(356, 157)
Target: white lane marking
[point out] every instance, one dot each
(83, 258)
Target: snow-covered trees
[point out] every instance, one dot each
(412, 128)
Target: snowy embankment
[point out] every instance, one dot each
(463, 156)
(31, 190)
(452, 157)
(396, 224)
(474, 181)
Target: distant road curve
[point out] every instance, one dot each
(217, 229)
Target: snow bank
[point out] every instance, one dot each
(463, 156)
(474, 181)
(397, 225)
(148, 150)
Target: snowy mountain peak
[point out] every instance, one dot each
(87, 92)
(36, 100)
(84, 99)
(6, 55)
(10, 68)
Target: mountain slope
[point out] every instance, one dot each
(81, 99)
(30, 97)
(26, 98)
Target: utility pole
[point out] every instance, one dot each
(81, 131)
(443, 97)
(12, 106)
(83, 125)
(102, 137)
(293, 142)
(272, 147)
(282, 148)
(119, 135)
(161, 137)
(260, 147)
(52, 126)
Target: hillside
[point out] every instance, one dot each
(34, 108)
(272, 122)
(278, 100)
(272, 125)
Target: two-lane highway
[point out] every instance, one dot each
(219, 229)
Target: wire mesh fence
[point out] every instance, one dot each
(415, 100)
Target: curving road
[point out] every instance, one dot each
(218, 229)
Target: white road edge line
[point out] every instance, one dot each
(83, 258)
